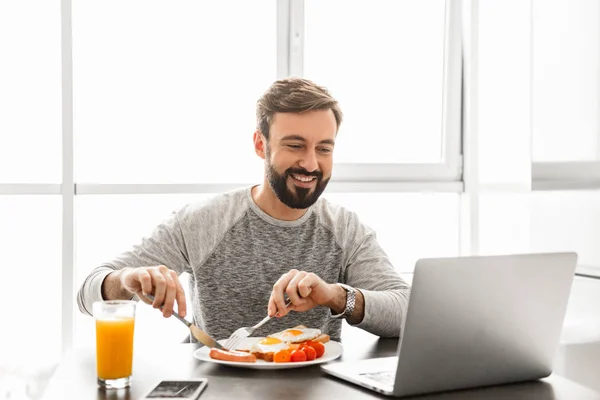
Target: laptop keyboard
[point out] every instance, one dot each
(385, 377)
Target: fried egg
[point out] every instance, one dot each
(296, 335)
(269, 345)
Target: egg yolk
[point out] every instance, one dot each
(293, 332)
(269, 341)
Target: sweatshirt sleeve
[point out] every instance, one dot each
(386, 294)
(165, 246)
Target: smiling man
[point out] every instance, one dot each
(246, 250)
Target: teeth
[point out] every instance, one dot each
(303, 179)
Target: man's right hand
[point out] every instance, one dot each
(160, 281)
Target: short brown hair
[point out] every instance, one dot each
(294, 95)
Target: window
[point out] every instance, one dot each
(567, 221)
(504, 223)
(163, 113)
(158, 100)
(31, 278)
(388, 77)
(566, 128)
(566, 90)
(30, 92)
(566, 80)
(30, 154)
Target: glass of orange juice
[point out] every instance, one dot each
(115, 320)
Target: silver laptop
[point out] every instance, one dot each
(472, 322)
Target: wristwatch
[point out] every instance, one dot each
(350, 302)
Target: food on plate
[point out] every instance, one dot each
(319, 348)
(269, 345)
(265, 348)
(234, 356)
(310, 352)
(296, 344)
(298, 356)
(322, 337)
(296, 335)
(282, 356)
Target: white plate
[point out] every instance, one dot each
(332, 351)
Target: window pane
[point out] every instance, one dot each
(503, 223)
(567, 221)
(168, 93)
(108, 225)
(566, 43)
(409, 226)
(30, 233)
(383, 61)
(30, 91)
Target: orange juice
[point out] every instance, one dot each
(114, 347)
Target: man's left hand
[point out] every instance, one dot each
(305, 290)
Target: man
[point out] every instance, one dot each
(246, 249)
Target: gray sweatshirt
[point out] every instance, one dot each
(235, 252)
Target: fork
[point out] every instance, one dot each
(242, 333)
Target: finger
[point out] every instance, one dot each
(292, 288)
(145, 281)
(170, 290)
(159, 287)
(306, 285)
(141, 295)
(289, 308)
(272, 308)
(179, 295)
(278, 292)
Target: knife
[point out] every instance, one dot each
(198, 333)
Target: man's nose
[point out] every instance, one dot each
(309, 161)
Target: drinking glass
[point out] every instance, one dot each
(115, 321)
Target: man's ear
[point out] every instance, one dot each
(260, 143)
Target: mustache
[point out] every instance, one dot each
(302, 171)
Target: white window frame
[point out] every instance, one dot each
(349, 177)
(566, 175)
(448, 175)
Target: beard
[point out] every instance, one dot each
(299, 197)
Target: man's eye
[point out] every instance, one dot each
(325, 150)
(294, 146)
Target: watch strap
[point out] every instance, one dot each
(350, 302)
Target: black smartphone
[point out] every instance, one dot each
(185, 389)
